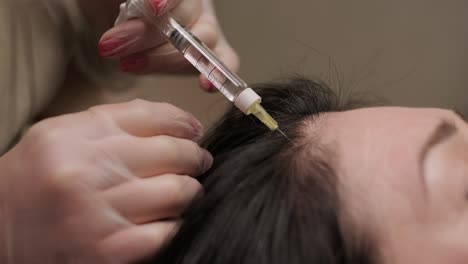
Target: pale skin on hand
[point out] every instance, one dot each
(141, 49)
(114, 178)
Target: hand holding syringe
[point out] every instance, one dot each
(206, 62)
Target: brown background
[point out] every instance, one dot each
(411, 52)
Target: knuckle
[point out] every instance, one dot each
(148, 108)
(98, 108)
(44, 133)
(101, 115)
(43, 146)
(41, 129)
(135, 105)
(139, 103)
(63, 178)
(170, 108)
(166, 144)
(99, 112)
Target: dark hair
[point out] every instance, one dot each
(266, 199)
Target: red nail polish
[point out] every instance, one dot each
(158, 6)
(212, 88)
(111, 47)
(133, 64)
(207, 85)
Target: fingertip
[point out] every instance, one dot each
(197, 128)
(208, 161)
(111, 47)
(206, 85)
(158, 6)
(121, 39)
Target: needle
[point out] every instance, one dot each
(282, 133)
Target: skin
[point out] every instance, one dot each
(141, 49)
(414, 210)
(106, 185)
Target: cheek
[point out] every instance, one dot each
(446, 172)
(453, 248)
(452, 239)
(428, 244)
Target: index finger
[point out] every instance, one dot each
(147, 119)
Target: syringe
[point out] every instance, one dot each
(205, 61)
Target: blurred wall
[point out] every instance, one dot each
(411, 52)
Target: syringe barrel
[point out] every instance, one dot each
(202, 58)
(195, 51)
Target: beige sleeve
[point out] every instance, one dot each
(39, 40)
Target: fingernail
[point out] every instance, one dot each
(207, 85)
(111, 47)
(158, 6)
(212, 88)
(207, 161)
(133, 64)
(197, 128)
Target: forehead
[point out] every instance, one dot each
(375, 117)
(378, 153)
(380, 128)
(387, 139)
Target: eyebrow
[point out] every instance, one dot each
(442, 132)
(461, 115)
